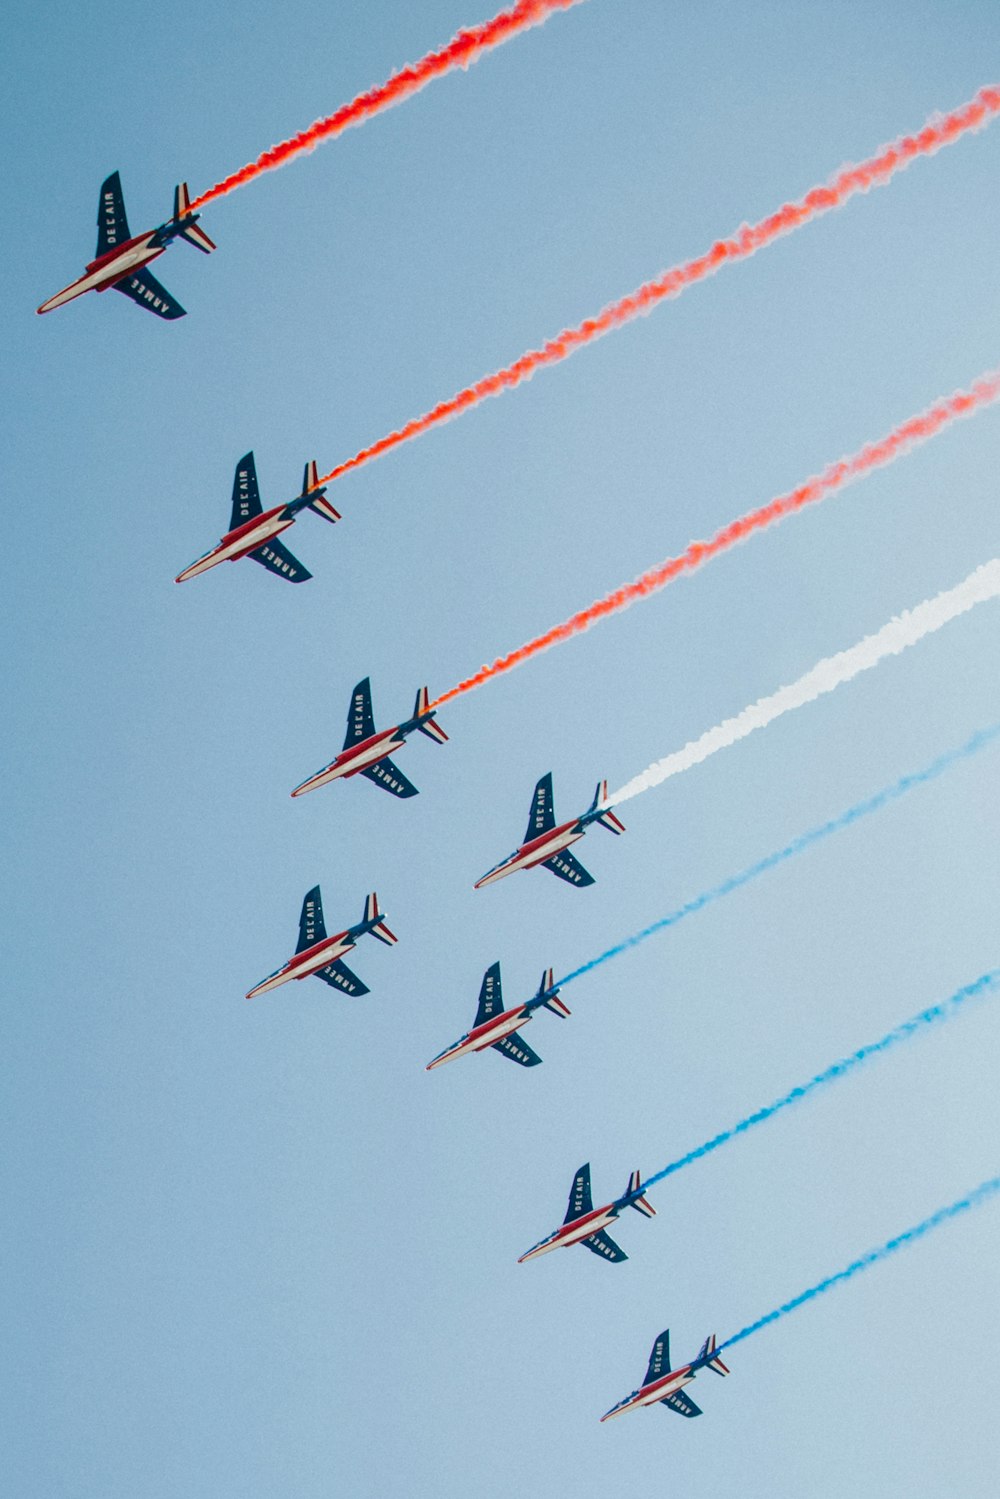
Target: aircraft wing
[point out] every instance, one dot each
(680, 1403)
(339, 976)
(569, 869)
(312, 928)
(112, 225)
(519, 1051)
(602, 1244)
(360, 718)
(542, 818)
(278, 559)
(144, 289)
(580, 1199)
(246, 495)
(659, 1359)
(384, 773)
(490, 995)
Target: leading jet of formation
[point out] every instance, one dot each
(253, 532)
(664, 1385)
(584, 1224)
(122, 260)
(367, 753)
(498, 1028)
(319, 956)
(546, 844)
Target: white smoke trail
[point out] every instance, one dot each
(905, 630)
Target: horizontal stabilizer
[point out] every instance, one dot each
(375, 923)
(608, 818)
(190, 232)
(553, 1002)
(712, 1361)
(639, 1203)
(429, 725)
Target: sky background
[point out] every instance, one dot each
(254, 1250)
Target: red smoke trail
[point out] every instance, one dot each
(875, 455)
(878, 170)
(463, 49)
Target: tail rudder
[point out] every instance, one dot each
(318, 503)
(553, 1002)
(607, 818)
(711, 1360)
(428, 725)
(375, 924)
(191, 232)
(639, 1203)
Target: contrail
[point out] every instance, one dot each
(874, 455)
(465, 48)
(902, 631)
(975, 1199)
(939, 131)
(916, 1025)
(799, 845)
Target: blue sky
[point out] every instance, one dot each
(254, 1249)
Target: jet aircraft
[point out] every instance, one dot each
(319, 956)
(585, 1224)
(546, 844)
(122, 259)
(253, 532)
(367, 753)
(664, 1385)
(498, 1027)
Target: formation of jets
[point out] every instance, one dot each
(122, 263)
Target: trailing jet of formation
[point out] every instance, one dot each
(253, 532)
(366, 753)
(498, 1028)
(319, 956)
(584, 1224)
(122, 259)
(663, 1385)
(547, 845)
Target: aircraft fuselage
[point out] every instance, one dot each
(536, 851)
(109, 268)
(655, 1391)
(246, 538)
(306, 963)
(482, 1036)
(573, 1233)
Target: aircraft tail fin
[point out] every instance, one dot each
(430, 726)
(190, 232)
(319, 504)
(375, 923)
(553, 1003)
(639, 1203)
(712, 1361)
(607, 818)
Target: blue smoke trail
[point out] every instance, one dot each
(934, 1015)
(975, 1199)
(798, 846)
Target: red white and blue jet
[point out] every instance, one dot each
(546, 844)
(498, 1028)
(366, 753)
(253, 532)
(122, 259)
(319, 956)
(663, 1385)
(584, 1224)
